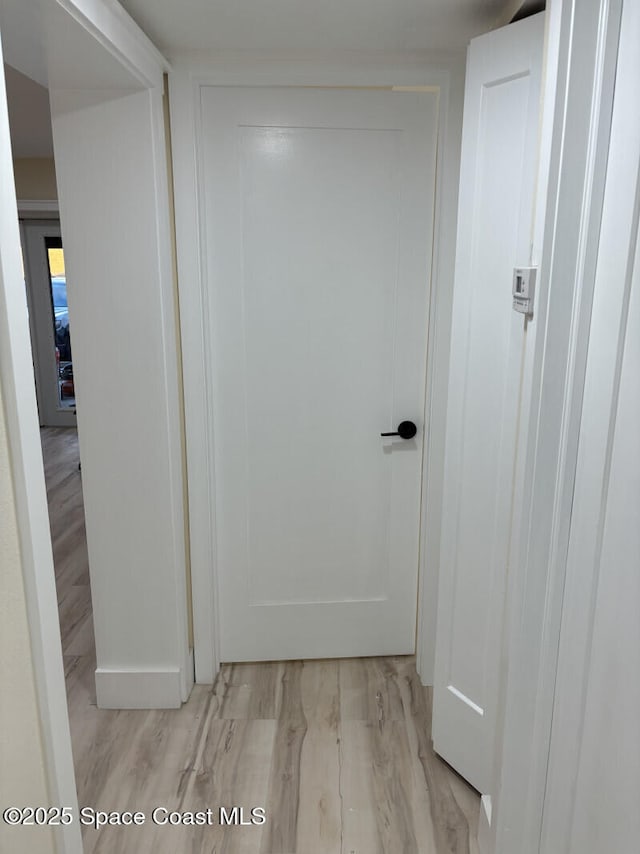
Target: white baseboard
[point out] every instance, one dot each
(139, 689)
(485, 837)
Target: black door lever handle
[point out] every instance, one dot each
(406, 430)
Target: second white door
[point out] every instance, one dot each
(317, 208)
(489, 342)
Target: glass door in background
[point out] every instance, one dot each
(45, 278)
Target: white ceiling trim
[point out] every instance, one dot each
(318, 69)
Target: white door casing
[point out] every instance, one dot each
(317, 212)
(585, 41)
(495, 221)
(106, 49)
(593, 779)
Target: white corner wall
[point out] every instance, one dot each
(114, 205)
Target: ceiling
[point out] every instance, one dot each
(313, 25)
(29, 116)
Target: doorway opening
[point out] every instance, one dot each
(50, 328)
(46, 284)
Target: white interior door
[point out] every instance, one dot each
(318, 217)
(498, 170)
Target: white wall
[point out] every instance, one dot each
(35, 178)
(114, 207)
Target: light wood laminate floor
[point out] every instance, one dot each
(337, 752)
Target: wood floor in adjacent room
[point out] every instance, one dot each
(337, 752)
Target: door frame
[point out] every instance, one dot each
(93, 29)
(580, 118)
(185, 82)
(597, 485)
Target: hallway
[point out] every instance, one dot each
(337, 752)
